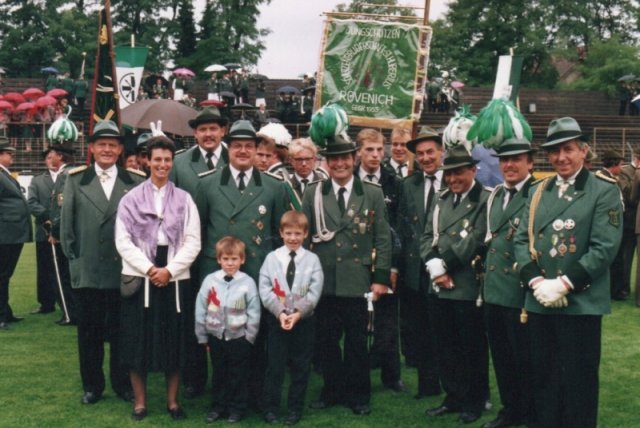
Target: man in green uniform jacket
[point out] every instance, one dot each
(453, 238)
(91, 197)
(351, 235)
(568, 237)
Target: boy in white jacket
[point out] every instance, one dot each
(290, 286)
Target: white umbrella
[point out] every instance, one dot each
(215, 67)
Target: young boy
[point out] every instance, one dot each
(228, 318)
(290, 286)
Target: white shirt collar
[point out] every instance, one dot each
(216, 153)
(247, 174)
(520, 185)
(336, 186)
(363, 174)
(464, 195)
(112, 170)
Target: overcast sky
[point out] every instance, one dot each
(293, 47)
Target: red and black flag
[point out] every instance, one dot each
(105, 85)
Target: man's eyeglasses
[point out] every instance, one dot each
(302, 160)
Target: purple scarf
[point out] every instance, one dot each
(137, 211)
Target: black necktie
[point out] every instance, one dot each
(456, 200)
(304, 182)
(432, 192)
(399, 169)
(241, 185)
(341, 202)
(291, 269)
(510, 194)
(371, 178)
(228, 278)
(209, 161)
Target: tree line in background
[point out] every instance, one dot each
(40, 33)
(597, 37)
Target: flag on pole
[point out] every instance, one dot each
(105, 86)
(508, 77)
(129, 67)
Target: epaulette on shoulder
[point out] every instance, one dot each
(488, 188)
(137, 172)
(78, 169)
(601, 176)
(372, 183)
(539, 180)
(444, 192)
(207, 173)
(274, 175)
(179, 152)
(319, 180)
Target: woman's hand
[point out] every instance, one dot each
(159, 276)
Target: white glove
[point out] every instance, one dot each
(156, 129)
(549, 291)
(560, 303)
(436, 268)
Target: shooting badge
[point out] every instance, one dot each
(558, 225)
(262, 210)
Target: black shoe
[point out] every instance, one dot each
(4, 326)
(468, 417)
(293, 418)
(191, 392)
(320, 404)
(177, 413)
(42, 311)
(15, 319)
(126, 396)
(270, 418)
(502, 422)
(234, 417)
(213, 416)
(439, 411)
(90, 398)
(361, 409)
(139, 414)
(397, 386)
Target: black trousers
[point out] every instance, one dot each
(194, 374)
(386, 334)
(294, 349)
(565, 357)
(628, 247)
(99, 322)
(510, 352)
(46, 282)
(346, 374)
(616, 274)
(463, 357)
(230, 369)
(9, 255)
(419, 308)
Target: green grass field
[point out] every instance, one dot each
(40, 381)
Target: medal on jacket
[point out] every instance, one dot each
(572, 244)
(562, 248)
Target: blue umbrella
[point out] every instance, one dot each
(489, 167)
(288, 90)
(49, 69)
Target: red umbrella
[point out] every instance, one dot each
(25, 106)
(215, 103)
(14, 97)
(5, 105)
(33, 93)
(45, 101)
(57, 93)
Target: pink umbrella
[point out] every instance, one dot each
(5, 105)
(14, 97)
(45, 101)
(456, 84)
(33, 93)
(25, 106)
(183, 72)
(215, 103)
(57, 93)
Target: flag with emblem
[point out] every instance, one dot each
(105, 85)
(129, 67)
(507, 83)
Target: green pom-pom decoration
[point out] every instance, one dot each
(326, 123)
(498, 121)
(456, 131)
(62, 130)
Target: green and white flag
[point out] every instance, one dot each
(508, 78)
(129, 67)
(375, 70)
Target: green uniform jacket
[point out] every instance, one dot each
(589, 218)
(461, 233)
(502, 282)
(38, 200)
(87, 227)
(252, 216)
(187, 165)
(15, 221)
(347, 259)
(56, 200)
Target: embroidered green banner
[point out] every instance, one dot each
(375, 70)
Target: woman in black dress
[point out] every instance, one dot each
(158, 237)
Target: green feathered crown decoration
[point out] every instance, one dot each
(62, 130)
(456, 131)
(328, 122)
(497, 121)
